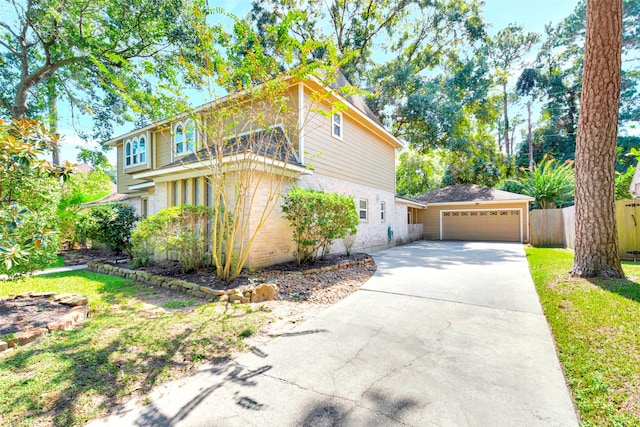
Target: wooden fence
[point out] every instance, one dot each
(556, 227)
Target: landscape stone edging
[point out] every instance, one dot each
(244, 294)
(77, 314)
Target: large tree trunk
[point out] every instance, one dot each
(596, 251)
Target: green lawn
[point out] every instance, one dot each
(596, 325)
(126, 347)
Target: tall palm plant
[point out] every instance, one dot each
(550, 183)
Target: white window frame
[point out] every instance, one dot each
(189, 145)
(340, 125)
(137, 154)
(364, 210)
(127, 153)
(383, 212)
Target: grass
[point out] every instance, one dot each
(59, 262)
(70, 377)
(178, 304)
(595, 323)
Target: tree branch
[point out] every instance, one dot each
(10, 49)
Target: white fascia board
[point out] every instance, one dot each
(528, 200)
(141, 186)
(411, 203)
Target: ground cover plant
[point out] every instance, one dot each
(595, 325)
(135, 338)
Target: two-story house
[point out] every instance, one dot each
(343, 149)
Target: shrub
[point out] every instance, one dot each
(78, 189)
(182, 229)
(550, 183)
(317, 219)
(109, 224)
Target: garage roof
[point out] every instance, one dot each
(470, 193)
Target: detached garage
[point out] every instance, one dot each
(471, 212)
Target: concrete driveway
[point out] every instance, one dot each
(444, 334)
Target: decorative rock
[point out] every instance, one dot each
(265, 292)
(224, 298)
(25, 337)
(42, 294)
(3, 346)
(75, 300)
(235, 298)
(245, 300)
(60, 297)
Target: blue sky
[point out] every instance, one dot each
(532, 14)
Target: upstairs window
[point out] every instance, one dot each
(190, 135)
(127, 153)
(179, 139)
(336, 125)
(362, 209)
(184, 137)
(142, 147)
(135, 151)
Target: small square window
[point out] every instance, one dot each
(382, 212)
(363, 209)
(336, 125)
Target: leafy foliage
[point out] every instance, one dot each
(78, 189)
(417, 173)
(109, 224)
(317, 219)
(182, 229)
(623, 183)
(102, 56)
(550, 183)
(29, 194)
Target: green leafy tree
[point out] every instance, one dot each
(417, 173)
(80, 188)
(106, 58)
(29, 194)
(317, 219)
(507, 50)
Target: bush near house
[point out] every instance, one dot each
(78, 189)
(317, 219)
(109, 224)
(182, 229)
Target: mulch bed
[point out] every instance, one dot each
(323, 287)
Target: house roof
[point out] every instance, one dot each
(356, 101)
(272, 143)
(111, 198)
(470, 193)
(83, 168)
